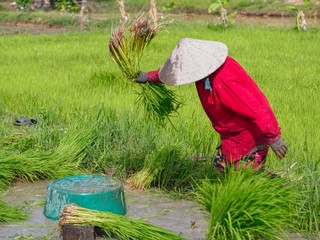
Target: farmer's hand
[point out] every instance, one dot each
(280, 148)
(142, 78)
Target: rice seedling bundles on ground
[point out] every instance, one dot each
(11, 213)
(163, 168)
(245, 205)
(35, 165)
(114, 225)
(126, 46)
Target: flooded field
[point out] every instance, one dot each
(185, 217)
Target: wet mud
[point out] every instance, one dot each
(180, 216)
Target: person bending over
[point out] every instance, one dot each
(236, 107)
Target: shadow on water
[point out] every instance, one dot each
(180, 216)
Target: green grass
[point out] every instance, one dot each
(68, 82)
(202, 5)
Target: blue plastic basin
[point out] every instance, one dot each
(96, 192)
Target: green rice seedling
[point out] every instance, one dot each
(11, 213)
(114, 225)
(308, 205)
(126, 47)
(33, 165)
(163, 168)
(177, 171)
(73, 144)
(6, 177)
(245, 205)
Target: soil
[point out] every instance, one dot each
(272, 18)
(21, 27)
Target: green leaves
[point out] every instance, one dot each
(244, 205)
(11, 213)
(163, 168)
(292, 8)
(34, 165)
(214, 6)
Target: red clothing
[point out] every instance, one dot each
(237, 108)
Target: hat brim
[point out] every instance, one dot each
(192, 60)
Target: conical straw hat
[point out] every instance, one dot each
(192, 60)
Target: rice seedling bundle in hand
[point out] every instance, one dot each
(245, 205)
(126, 46)
(114, 225)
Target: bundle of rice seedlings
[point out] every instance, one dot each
(34, 165)
(114, 225)
(159, 168)
(245, 205)
(126, 46)
(11, 213)
(6, 176)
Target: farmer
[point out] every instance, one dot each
(235, 105)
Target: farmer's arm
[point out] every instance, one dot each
(253, 106)
(152, 76)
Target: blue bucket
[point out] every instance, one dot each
(96, 192)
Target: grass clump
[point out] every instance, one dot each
(32, 165)
(114, 225)
(309, 204)
(11, 213)
(244, 205)
(165, 168)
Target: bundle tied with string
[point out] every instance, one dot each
(114, 225)
(126, 46)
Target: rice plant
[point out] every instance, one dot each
(126, 47)
(114, 225)
(11, 213)
(164, 168)
(308, 205)
(33, 165)
(244, 205)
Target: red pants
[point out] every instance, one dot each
(257, 160)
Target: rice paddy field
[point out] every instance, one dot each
(89, 121)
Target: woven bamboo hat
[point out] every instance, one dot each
(192, 60)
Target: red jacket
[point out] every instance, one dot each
(237, 108)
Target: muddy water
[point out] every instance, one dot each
(181, 216)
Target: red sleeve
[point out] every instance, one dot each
(153, 76)
(250, 103)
